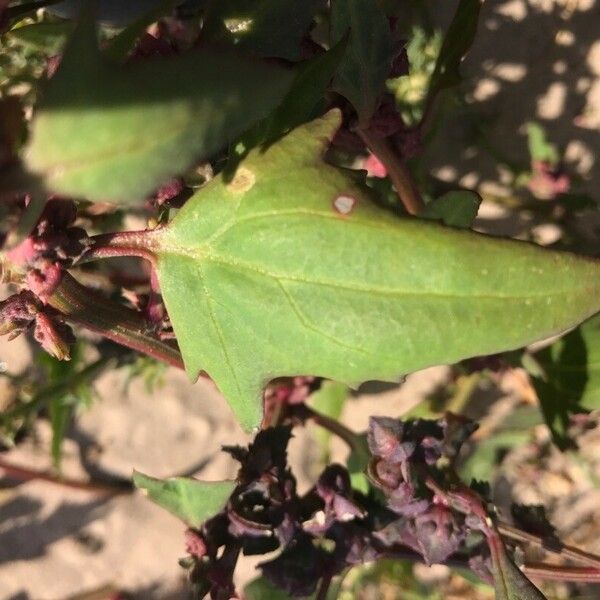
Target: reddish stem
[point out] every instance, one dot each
(125, 243)
(82, 306)
(399, 173)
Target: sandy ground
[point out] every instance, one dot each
(532, 60)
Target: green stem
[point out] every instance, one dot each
(81, 306)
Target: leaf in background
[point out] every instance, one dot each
(540, 149)
(456, 209)
(569, 380)
(365, 67)
(289, 268)
(48, 38)
(124, 42)
(487, 453)
(459, 38)
(306, 93)
(270, 28)
(61, 411)
(191, 500)
(115, 133)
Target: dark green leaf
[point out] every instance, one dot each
(306, 93)
(271, 28)
(122, 44)
(113, 132)
(456, 209)
(191, 500)
(288, 268)
(365, 67)
(568, 381)
(458, 40)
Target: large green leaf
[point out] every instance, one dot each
(366, 64)
(191, 500)
(569, 379)
(288, 268)
(112, 132)
(266, 27)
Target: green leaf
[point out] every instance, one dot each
(459, 38)
(456, 209)
(271, 28)
(191, 500)
(509, 581)
(306, 93)
(568, 381)
(540, 149)
(289, 268)
(365, 67)
(61, 411)
(45, 37)
(116, 132)
(124, 42)
(261, 589)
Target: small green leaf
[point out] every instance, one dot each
(289, 268)
(455, 209)
(365, 67)
(459, 38)
(272, 28)
(191, 500)
(540, 149)
(569, 379)
(116, 132)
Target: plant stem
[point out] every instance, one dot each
(518, 535)
(558, 573)
(81, 306)
(399, 173)
(26, 474)
(306, 413)
(125, 243)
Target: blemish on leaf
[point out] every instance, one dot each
(242, 181)
(344, 204)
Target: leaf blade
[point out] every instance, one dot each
(191, 500)
(113, 132)
(351, 297)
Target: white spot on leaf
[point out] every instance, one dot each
(344, 204)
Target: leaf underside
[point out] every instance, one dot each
(111, 132)
(289, 269)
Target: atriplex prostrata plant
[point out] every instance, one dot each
(272, 260)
